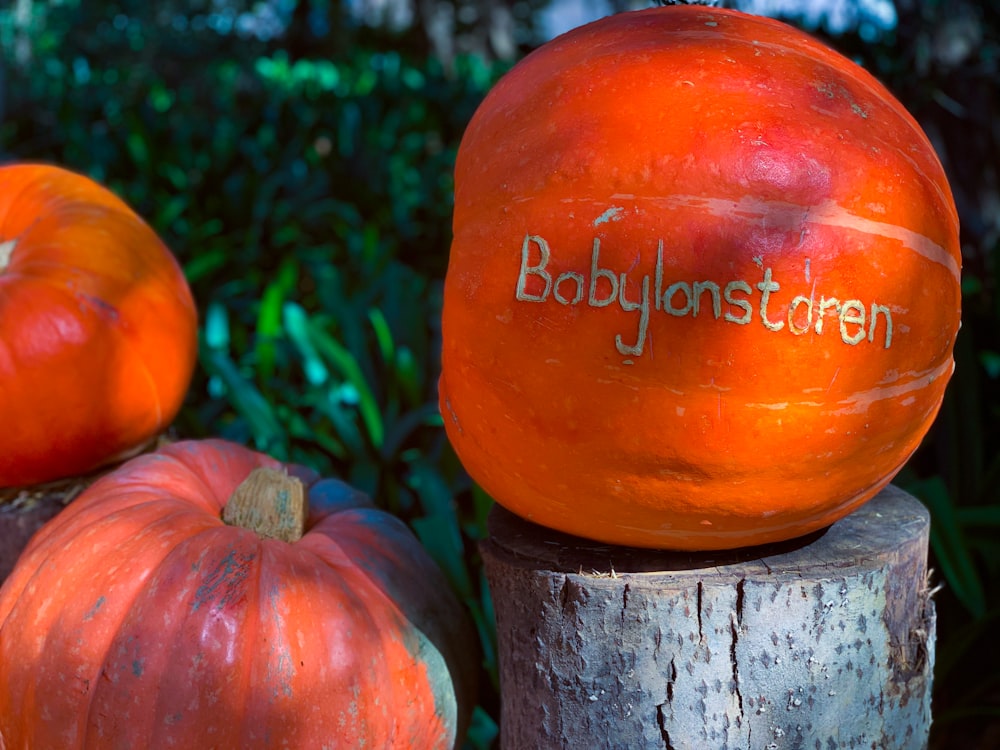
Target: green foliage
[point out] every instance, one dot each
(309, 202)
(307, 193)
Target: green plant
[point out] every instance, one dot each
(289, 178)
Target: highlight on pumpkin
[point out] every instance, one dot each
(6, 250)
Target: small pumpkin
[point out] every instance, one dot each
(703, 289)
(98, 328)
(139, 618)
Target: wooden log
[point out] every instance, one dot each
(24, 510)
(824, 642)
(22, 513)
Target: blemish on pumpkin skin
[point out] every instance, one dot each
(280, 665)
(93, 610)
(454, 416)
(612, 214)
(98, 306)
(225, 582)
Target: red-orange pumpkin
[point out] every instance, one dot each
(138, 619)
(704, 283)
(98, 330)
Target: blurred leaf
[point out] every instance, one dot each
(382, 335)
(483, 730)
(978, 516)
(269, 328)
(991, 363)
(344, 362)
(171, 210)
(216, 327)
(408, 374)
(950, 547)
(485, 618)
(406, 425)
(482, 504)
(342, 419)
(138, 149)
(440, 537)
(204, 265)
(297, 324)
(971, 285)
(433, 491)
(268, 434)
(438, 529)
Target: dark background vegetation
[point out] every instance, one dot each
(297, 158)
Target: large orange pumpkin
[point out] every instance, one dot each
(704, 283)
(98, 329)
(138, 618)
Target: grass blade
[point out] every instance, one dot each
(950, 547)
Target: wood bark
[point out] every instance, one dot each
(823, 642)
(21, 515)
(24, 510)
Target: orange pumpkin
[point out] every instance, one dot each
(98, 329)
(151, 614)
(704, 283)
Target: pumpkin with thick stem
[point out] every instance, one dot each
(197, 597)
(704, 284)
(98, 328)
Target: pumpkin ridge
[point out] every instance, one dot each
(350, 543)
(59, 532)
(8, 209)
(249, 641)
(426, 659)
(129, 657)
(64, 560)
(187, 455)
(143, 370)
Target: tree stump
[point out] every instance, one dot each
(823, 642)
(24, 510)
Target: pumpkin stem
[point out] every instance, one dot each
(269, 503)
(6, 250)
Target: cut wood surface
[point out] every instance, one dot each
(824, 642)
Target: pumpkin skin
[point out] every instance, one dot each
(136, 618)
(98, 328)
(680, 238)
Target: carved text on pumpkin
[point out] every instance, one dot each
(682, 298)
